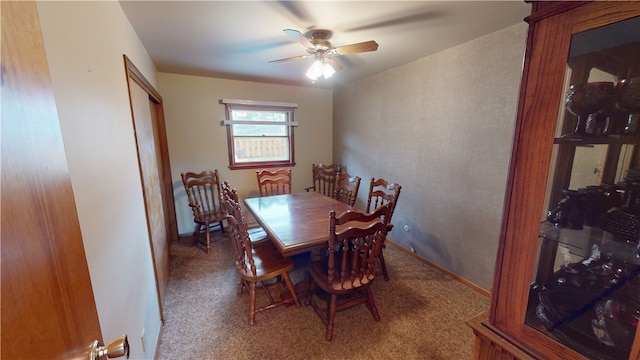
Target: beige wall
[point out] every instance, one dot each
(441, 127)
(84, 42)
(197, 141)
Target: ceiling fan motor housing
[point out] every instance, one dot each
(317, 44)
(319, 38)
(321, 45)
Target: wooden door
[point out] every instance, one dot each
(148, 122)
(48, 308)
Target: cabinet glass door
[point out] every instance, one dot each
(585, 289)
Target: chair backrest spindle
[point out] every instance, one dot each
(382, 192)
(324, 178)
(240, 238)
(358, 245)
(203, 191)
(274, 182)
(346, 189)
(204, 194)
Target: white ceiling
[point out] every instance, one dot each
(237, 39)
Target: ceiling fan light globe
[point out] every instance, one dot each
(315, 71)
(327, 70)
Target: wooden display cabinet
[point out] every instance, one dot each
(567, 283)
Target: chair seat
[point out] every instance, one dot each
(268, 261)
(257, 235)
(210, 216)
(318, 270)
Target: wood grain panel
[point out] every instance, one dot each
(146, 110)
(48, 307)
(591, 17)
(540, 99)
(531, 155)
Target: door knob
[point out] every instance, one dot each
(116, 348)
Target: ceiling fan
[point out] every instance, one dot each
(318, 46)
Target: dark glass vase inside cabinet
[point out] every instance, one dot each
(585, 290)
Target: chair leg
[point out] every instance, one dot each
(252, 303)
(384, 267)
(241, 287)
(372, 305)
(207, 236)
(196, 233)
(310, 291)
(332, 315)
(291, 288)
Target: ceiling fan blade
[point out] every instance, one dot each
(334, 64)
(291, 58)
(299, 37)
(399, 20)
(356, 48)
(297, 9)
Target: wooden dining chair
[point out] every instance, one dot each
(257, 264)
(383, 192)
(346, 189)
(256, 232)
(274, 182)
(203, 193)
(348, 270)
(324, 178)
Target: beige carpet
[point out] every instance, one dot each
(423, 315)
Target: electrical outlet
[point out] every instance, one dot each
(144, 341)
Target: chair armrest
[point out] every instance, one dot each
(309, 188)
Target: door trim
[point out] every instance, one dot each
(134, 74)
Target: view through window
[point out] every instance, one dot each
(260, 134)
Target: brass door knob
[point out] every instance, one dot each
(116, 348)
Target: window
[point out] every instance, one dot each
(259, 134)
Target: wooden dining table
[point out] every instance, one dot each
(296, 223)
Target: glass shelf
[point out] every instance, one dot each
(580, 242)
(593, 140)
